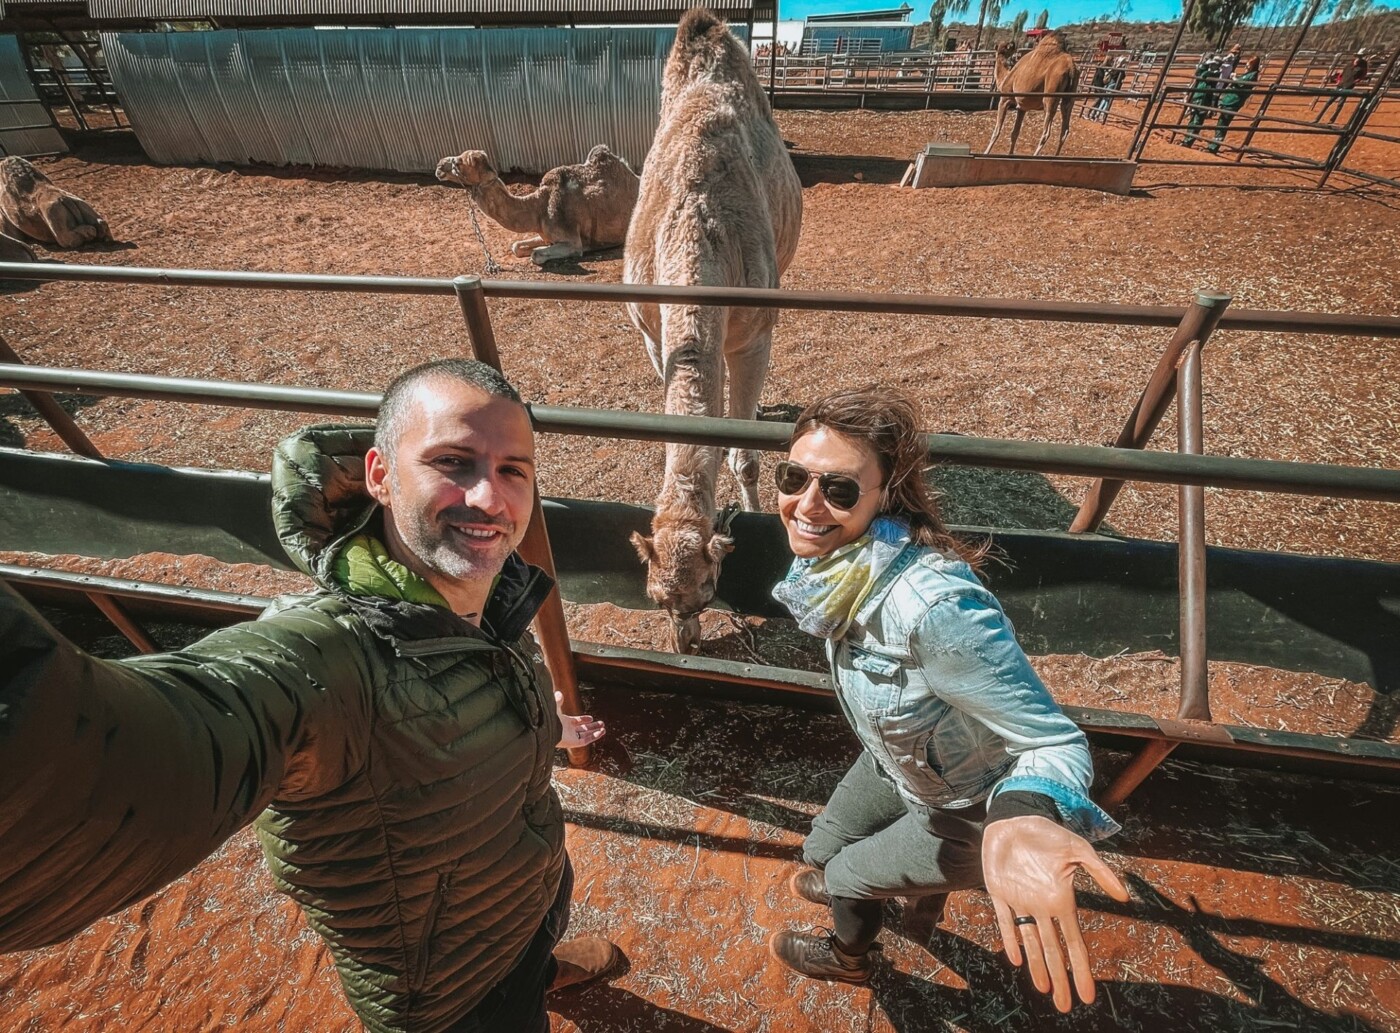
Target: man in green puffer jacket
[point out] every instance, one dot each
(392, 734)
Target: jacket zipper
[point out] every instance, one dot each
(425, 942)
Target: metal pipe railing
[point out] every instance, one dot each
(742, 297)
(1357, 482)
(534, 547)
(1195, 327)
(1191, 545)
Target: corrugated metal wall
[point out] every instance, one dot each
(390, 98)
(20, 106)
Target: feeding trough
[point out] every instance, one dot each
(954, 165)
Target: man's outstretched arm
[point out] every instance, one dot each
(117, 777)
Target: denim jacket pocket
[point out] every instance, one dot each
(878, 682)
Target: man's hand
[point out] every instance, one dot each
(578, 731)
(1029, 865)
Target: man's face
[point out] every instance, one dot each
(460, 488)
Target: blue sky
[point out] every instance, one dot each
(1061, 11)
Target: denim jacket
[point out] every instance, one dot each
(941, 694)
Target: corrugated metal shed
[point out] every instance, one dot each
(20, 106)
(391, 98)
(338, 10)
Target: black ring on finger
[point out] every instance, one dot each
(1024, 920)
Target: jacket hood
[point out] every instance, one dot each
(318, 494)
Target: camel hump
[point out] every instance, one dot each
(600, 155)
(700, 29)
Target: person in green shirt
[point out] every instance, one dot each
(1232, 98)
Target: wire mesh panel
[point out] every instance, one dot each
(391, 98)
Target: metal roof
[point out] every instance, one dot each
(343, 11)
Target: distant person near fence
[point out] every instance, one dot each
(1352, 77)
(1232, 98)
(1202, 96)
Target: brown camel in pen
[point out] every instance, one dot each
(1046, 69)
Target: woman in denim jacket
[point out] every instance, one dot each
(970, 774)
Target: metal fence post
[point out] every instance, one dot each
(534, 547)
(1196, 325)
(1360, 117)
(1287, 63)
(1191, 546)
(1141, 133)
(52, 413)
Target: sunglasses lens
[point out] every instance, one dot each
(841, 492)
(790, 478)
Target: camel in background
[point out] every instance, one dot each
(575, 209)
(32, 204)
(720, 206)
(1046, 69)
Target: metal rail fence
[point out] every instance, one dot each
(1178, 373)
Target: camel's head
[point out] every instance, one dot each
(470, 168)
(683, 557)
(1007, 50)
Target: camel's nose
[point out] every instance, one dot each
(685, 634)
(447, 167)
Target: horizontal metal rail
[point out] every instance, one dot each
(701, 675)
(895, 304)
(1075, 460)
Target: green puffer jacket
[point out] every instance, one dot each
(397, 761)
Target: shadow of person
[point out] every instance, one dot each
(999, 998)
(603, 1008)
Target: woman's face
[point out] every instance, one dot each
(814, 526)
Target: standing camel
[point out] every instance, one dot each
(720, 206)
(1046, 69)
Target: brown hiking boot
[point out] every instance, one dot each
(810, 884)
(582, 960)
(816, 956)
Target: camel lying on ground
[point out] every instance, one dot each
(720, 206)
(30, 203)
(1046, 69)
(575, 209)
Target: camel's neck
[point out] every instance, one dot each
(521, 213)
(1000, 72)
(688, 487)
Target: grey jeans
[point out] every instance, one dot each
(872, 843)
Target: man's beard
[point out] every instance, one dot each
(441, 550)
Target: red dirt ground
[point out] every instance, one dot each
(1261, 902)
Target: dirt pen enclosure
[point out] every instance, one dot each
(1261, 901)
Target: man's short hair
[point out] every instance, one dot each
(390, 425)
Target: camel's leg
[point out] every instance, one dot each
(1045, 129)
(1015, 130)
(1066, 108)
(524, 248)
(559, 249)
(748, 368)
(1001, 121)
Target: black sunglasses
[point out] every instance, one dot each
(841, 491)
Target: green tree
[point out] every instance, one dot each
(1216, 19)
(1042, 20)
(936, 14)
(989, 10)
(1018, 23)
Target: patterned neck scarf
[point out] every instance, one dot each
(824, 594)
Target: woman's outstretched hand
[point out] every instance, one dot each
(1029, 865)
(578, 730)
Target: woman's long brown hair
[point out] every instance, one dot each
(886, 422)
